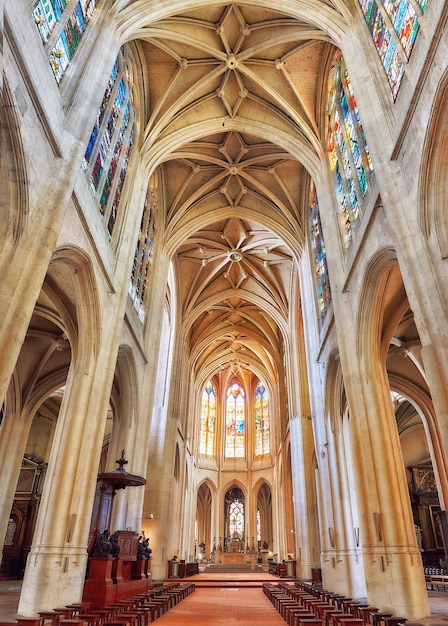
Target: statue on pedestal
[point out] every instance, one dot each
(103, 546)
(114, 545)
(143, 549)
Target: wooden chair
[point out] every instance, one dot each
(49, 616)
(29, 621)
(379, 617)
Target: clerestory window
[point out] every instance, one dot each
(235, 421)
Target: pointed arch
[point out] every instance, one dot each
(264, 521)
(13, 174)
(434, 172)
(204, 506)
(335, 398)
(87, 300)
(128, 385)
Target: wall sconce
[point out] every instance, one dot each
(150, 516)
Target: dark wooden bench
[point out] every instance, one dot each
(437, 581)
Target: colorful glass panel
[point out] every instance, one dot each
(348, 153)
(404, 19)
(405, 25)
(47, 13)
(262, 421)
(236, 520)
(118, 145)
(319, 257)
(59, 58)
(45, 18)
(120, 182)
(110, 147)
(100, 114)
(88, 7)
(144, 250)
(235, 420)
(208, 416)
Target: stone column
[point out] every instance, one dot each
(252, 513)
(343, 570)
(304, 382)
(392, 561)
(305, 506)
(56, 564)
(161, 428)
(12, 447)
(216, 517)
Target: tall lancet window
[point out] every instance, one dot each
(262, 421)
(144, 249)
(350, 160)
(236, 519)
(235, 418)
(69, 27)
(109, 149)
(322, 281)
(393, 25)
(208, 417)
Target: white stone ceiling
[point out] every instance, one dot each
(236, 113)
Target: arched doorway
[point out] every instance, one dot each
(264, 519)
(203, 523)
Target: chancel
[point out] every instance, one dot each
(224, 269)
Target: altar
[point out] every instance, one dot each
(234, 557)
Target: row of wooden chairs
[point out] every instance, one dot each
(303, 604)
(139, 610)
(435, 571)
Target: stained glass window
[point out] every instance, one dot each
(108, 151)
(144, 249)
(236, 519)
(49, 15)
(349, 156)
(262, 421)
(393, 25)
(235, 406)
(258, 526)
(319, 258)
(208, 416)
(45, 17)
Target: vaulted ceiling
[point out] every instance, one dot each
(236, 99)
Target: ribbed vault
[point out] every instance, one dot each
(237, 120)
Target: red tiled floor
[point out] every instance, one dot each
(215, 606)
(228, 603)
